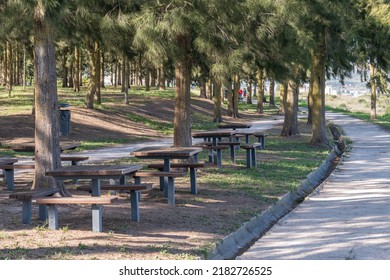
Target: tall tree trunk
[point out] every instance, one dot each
(98, 74)
(125, 80)
(89, 99)
(182, 116)
(230, 98)
(9, 73)
(124, 62)
(318, 136)
(76, 76)
(310, 99)
(147, 75)
(161, 78)
(64, 68)
(153, 77)
(202, 87)
(47, 148)
(24, 67)
(102, 68)
(260, 94)
(236, 84)
(290, 126)
(272, 92)
(373, 91)
(80, 68)
(249, 96)
(209, 89)
(217, 101)
(282, 97)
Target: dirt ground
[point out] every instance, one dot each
(187, 231)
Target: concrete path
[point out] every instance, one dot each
(124, 150)
(349, 217)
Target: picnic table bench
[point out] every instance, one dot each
(95, 173)
(251, 153)
(134, 190)
(167, 177)
(27, 198)
(185, 165)
(96, 202)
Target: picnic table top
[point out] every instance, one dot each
(92, 171)
(213, 133)
(4, 161)
(246, 131)
(30, 146)
(234, 125)
(167, 152)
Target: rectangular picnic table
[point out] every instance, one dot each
(8, 173)
(30, 146)
(95, 173)
(215, 136)
(167, 154)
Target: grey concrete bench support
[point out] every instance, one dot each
(27, 197)
(135, 194)
(251, 154)
(96, 208)
(169, 190)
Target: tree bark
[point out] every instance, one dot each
(260, 94)
(282, 98)
(9, 69)
(47, 149)
(217, 102)
(125, 72)
(290, 125)
(94, 79)
(236, 85)
(249, 93)
(318, 136)
(76, 76)
(373, 92)
(272, 92)
(161, 78)
(182, 115)
(64, 68)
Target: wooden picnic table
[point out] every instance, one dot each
(8, 173)
(30, 146)
(167, 154)
(215, 136)
(95, 173)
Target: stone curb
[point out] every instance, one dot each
(239, 241)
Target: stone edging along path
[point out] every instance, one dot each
(237, 242)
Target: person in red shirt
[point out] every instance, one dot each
(240, 95)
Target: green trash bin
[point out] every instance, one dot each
(64, 119)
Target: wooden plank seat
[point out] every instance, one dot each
(187, 165)
(170, 175)
(27, 198)
(261, 138)
(96, 202)
(251, 153)
(134, 190)
(233, 145)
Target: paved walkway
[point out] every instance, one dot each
(124, 150)
(349, 218)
